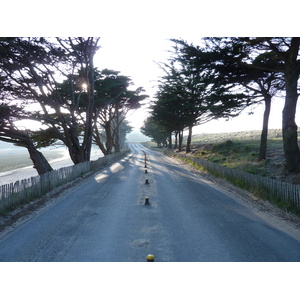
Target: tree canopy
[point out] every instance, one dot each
(192, 92)
(54, 82)
(277, 55)
(221, 76)
(77, 104)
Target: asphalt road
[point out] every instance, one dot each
(105, 219)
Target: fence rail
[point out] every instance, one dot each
(26, 190)
(269, 188)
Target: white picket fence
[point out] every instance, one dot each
(271, 189)
(26, 190)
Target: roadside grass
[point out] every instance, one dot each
(241, 153)
(238, 154)
(258, 191)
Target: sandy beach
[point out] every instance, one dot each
(27, 172)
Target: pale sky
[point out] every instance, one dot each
(135, 33)
(141, 37)
(138, 62)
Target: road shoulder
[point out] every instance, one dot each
(272, 214)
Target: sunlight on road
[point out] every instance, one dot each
(113, 169)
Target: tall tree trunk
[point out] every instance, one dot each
(189, 139)
(117, 131)
(289, 133)
(72, 142)
(97, 138)
(176, 139)
(180, 140)
(264, 133)
(170, 140)
(88, 132)
(40, 163)
(117, 140)
(109, 138)
(289, 127)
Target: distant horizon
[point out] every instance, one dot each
(6, 146)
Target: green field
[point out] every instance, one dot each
(240, 154)
(238, 135)
(240, 150)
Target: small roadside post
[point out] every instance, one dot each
(150, 258)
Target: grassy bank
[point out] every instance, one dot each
(240, 151)
(283, 195)
(242, 155)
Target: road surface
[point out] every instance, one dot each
(105, 219)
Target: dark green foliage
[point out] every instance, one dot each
(113, 100)
(32, 70)
(275, 59)
(224, 75)
(156, 131)
(194, 91)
